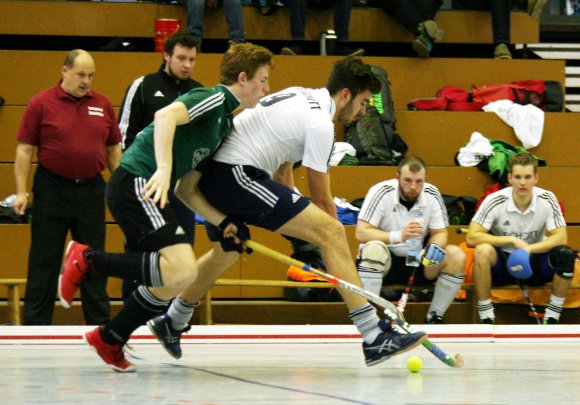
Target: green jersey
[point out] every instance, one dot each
(211, 120)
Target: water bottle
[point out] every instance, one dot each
(328, 43)
(415, 246)
(9, 201)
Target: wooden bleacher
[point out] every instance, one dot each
(436, 136)
(411, 77)
(104, 19)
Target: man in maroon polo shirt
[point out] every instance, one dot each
(75, 132)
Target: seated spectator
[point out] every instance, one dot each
(232, 11)
(342, 10)
(519, 232)
(500, 20)
(417, 17)
(535, 8)
(395, 211)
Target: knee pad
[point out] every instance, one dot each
(375, 257)
(561, 259)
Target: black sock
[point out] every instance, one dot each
(143, 267)
(141, 306)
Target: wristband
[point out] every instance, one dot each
(395, 237)
(224, 223)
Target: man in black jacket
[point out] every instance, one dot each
(150, 93)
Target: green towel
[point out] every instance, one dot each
(497, 165)
(348, 160)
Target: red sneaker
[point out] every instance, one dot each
(111, 354)
(73, 273)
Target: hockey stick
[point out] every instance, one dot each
(532, 308)
(389, 309)
(405, 296)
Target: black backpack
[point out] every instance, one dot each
(373, 135)
(460, 209)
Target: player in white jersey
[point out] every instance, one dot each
(521, 217)
(292, 125)
(394, 211)
(251, 180)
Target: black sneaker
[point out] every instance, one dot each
(428, 32)
(390, 343)
(550, 321)
(167, 336)
(488, 321)
(432, 318)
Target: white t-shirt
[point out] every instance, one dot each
(500, 216)
(382, 209)
(292, 125)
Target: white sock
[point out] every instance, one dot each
(446, 288)
(554, 308)
(366, 320)
(372, 284)
(485, 309)
(180, 313)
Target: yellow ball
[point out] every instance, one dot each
(414, 364)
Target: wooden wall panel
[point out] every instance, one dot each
(411, 77)
(254, 266)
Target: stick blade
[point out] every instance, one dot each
(458, 361)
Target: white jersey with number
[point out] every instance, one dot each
(292, 125)
(500, 216)
(382, 209)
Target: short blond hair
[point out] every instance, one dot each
(523, 159)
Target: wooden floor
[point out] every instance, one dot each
(322, 366)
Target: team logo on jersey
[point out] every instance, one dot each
(507, 223)
(158, 94)
(98, 111)
(295, 197)
(198, 156)
(179, 231)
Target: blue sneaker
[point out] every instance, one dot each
(390, 343)
(168, 337)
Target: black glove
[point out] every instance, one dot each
(229, 244)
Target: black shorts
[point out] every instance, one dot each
(250, 195)
(147, 227)
(400, 273)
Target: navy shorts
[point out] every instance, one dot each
(147, 227)
(542, 272)
(248, 194)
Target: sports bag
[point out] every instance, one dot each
(544, 94)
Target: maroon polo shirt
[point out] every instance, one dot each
(71, 134)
